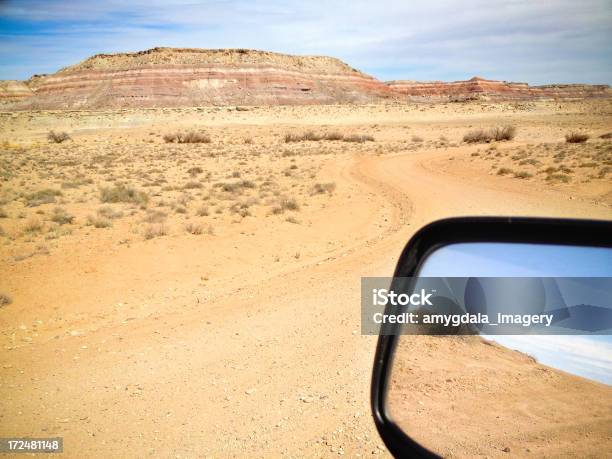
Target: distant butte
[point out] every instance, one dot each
(186, 77)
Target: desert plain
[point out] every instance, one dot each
(163, 299)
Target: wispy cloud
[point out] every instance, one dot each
(538, 42)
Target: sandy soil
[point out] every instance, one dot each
(213, 311)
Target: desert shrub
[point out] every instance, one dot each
(604, 171)
(5, 299)
(311, 136)
(231, 187)
(321, 188)
(3, 213)
(292, 138)
(576, 137)
(332, 136)
(77, 183)
(109, 212)
(247, 184)
(187, 137)
(289, 204)
(195, 171)
(202, 211)
(61, 217)
(40, 197)
(416, 138)
(58, 137)
(308, 136)
(559, 177)
(193, 228)
(485, 136)
(504, 171)
(248, 141)
(123, 193)
(155, 216)
(153, 231)
(478, 136)
(523, 175)
(503, 133)
(358, 138)
(34, 225)
(98, 221)
(607, 135)
(191, 185)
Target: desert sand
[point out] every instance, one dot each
(202, 300)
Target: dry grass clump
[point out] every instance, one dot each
(321, 188)
(155, 216)
(503, 133)
(194, 171)
(109, 212)
(558, 177)
(232, 187)
(308, 136)
(3, 213)
(34, 225)
(484, 136)
(194, 228)
(607, 135)
(61, 217)
(123, 193)
(192, 185)
(504, 171)
(202, 211)
(333, 136)
(187, 137)
(98, 221)
(358, 138)
(576, 137)
(153, 231)
(478, 136)
(5, 299)
(58, 137)
(286, 204)
(523, 175)
(311, 136)
(40, 197)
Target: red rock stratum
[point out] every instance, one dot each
(480, 88)
(180, 77)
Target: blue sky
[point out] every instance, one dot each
(519, 40)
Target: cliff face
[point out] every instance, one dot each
(13, 91)
(480, 88)
(179, 77)
(168, 77)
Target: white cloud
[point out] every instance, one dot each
(538, 42)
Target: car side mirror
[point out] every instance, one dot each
(527, 365)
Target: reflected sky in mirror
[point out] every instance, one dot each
(587, 356)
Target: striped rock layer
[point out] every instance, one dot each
(480, 88)
(180, 77)
(167, 77)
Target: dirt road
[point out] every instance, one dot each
(274, 367)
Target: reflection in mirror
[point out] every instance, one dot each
(522, 394)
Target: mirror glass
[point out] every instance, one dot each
(487, 394)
